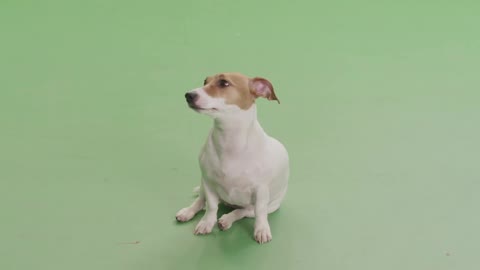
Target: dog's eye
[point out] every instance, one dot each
(223, 83)
(205, 82)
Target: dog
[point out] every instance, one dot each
(241, 166)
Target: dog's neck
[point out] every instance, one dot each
(237, 133)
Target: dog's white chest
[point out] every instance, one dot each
(230, 178)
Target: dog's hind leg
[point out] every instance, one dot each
(196, 190)
(188, 213)
(226, 221)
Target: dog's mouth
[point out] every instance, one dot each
(196, 108)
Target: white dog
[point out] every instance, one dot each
(241, 165)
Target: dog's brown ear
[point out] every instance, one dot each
(261, 87)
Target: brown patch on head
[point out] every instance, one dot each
(238, 89)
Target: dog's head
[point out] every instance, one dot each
(228, 93)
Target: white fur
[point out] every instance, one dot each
(242, 166)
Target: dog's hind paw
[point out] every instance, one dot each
(184, 215)
(224, 223)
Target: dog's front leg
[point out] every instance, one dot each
(205, 225)
(262, 228)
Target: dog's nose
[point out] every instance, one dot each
(191, 97)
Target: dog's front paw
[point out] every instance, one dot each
(262, 233)
(204, 227)
(184, 214)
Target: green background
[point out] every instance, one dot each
(380, 113)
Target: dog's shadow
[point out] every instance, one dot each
(233, 244)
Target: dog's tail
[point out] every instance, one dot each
(196, 191)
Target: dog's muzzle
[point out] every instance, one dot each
(191, 98)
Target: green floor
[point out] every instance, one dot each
(380, 112)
